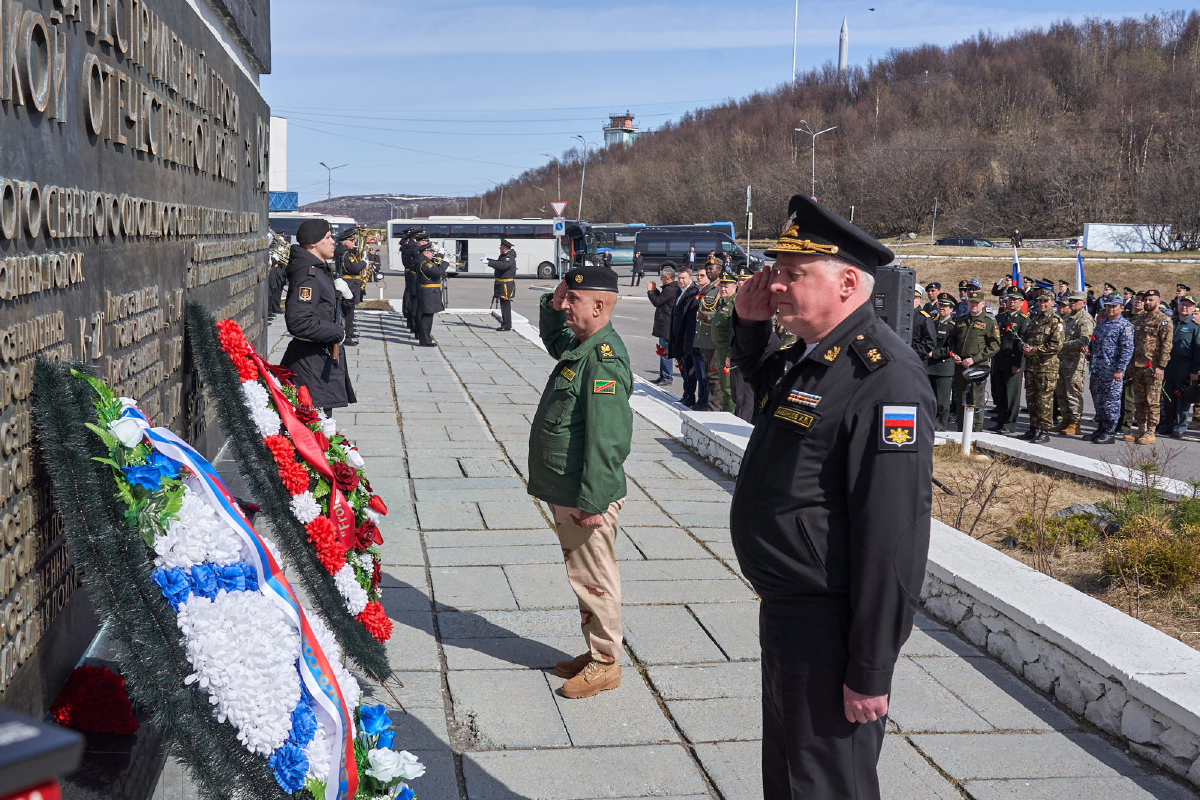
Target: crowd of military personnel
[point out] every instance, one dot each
(1138, 357)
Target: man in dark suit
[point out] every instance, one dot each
(663, 300)
(683, 334)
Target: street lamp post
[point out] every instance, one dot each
(809, 131)
(500, 213)
(558, 169)
(795, 31)
(329, 179)
(583, 175)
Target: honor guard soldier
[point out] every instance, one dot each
(1152, 339)
(505, 287)
(417, 239)
(579, 439)
(313, 319)
(1009, 363)
(976, 341)
(924, 334)
(722, 318)
(1111, 349)
(1181, 369)
(428, 299)
(831, 514)
(350, 268)
(1078, 327)
(940, 367)
(1043, 341)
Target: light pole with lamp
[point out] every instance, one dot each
(809, 131)
(583, 175)
(558, 168)
(795, 31)
(500, 213)
(329, 179)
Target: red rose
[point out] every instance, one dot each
(94, 700)
(303, 396)
(367, 534)
(376, 575)
(307, 414)
(377, 505)
(346, 477)
(322, 442)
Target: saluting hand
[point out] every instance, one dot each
(863, 708)
(560, 294)
(753, 301)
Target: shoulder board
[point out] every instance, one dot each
(925, 313)
(606, 351)
(869, 351)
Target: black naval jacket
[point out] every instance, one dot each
(428, 282)
(505, 287)
(312, 320)
(834, 493)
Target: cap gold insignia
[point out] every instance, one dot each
(790, 242)
(832, 353)
(579, 278)
(873, 354)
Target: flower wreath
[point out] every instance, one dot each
(322, 470)
(269, 669)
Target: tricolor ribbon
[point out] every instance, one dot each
(315, 669)
(340, 512)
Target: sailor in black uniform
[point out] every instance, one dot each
(505, 288)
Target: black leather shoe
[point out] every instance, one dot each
(687, 402)
(996, 429)
(1029, 435)
(1041, 438)
(351, 343)
(1096, 434)
(1104, 438)
(427, 344)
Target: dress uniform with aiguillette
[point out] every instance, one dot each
(505, 287)
(830, 522)
(351, 269)
(430, 270)
(312, 320)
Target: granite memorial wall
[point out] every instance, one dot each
(133, 176)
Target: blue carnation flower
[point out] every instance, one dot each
(167, 467)
(374, 719)
(231, 578)
(144, 475)
(290, 766)
(405, 793)
(304, 723)
(204, 577)
(385, 740)
(251, 577)
(175, 584)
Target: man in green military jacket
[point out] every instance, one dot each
(940, 366)
(580, 437)
(976, 341)
(722, 317)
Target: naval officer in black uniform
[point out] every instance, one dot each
(830, 517)
(430, 270)
(505, 288)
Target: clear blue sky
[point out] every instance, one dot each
(442, 97)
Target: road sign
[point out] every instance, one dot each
(560, 226)
(559, 208)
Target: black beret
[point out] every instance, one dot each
(1152, 293)
(814, 229)
(592, 279)
(311, 231)
(505, 243)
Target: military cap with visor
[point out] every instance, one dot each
(974, 283)
(1077, 297)
(933, 285)
(976, 296)
(815, 230)
(1043, 294)
(1110, 287)
(347, 234)
(727, 277)
(1183, 286)
(945, 299)
(592, 279)
(1013, 294)
(505, 243)
(1187, 298)
(311, 231)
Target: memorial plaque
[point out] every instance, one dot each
(133, 177)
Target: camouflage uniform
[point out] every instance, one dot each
(1111, 350)
(1152, 335)
(1045, 336)
(1072, 365)
(1006, 386)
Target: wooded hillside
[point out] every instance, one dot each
(1043, 130)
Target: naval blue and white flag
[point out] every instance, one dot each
(1079, 270)
(1016, 273)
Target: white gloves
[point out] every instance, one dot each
(483, 259)
(343, 288)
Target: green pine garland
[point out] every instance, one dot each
(258, 466)
(115, 569)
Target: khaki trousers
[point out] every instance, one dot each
(591, 558)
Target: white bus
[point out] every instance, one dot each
(286, 222)
(467, 239)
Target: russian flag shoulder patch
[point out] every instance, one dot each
(898, 427)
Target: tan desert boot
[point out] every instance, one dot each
(569, 669)
(1133, 437)
(1146, 438)
(1071, 429)
(595, 678)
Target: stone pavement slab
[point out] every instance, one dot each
(471, 588)
(628, 714)
(485, 702)
(1026, 755)
(667, 635)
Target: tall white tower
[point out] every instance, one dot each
(843, 49)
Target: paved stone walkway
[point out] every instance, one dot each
(476, 586)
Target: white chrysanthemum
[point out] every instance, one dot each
(256, 395)
(374, 516)
(305, 507)
(266, 420)
(366, 561)
(354, 459)
(318, 752)
(351, 693)
(354, 594)
(197, 536)
(329, 426)
(243, 650)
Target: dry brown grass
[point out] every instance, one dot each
(1023, 490)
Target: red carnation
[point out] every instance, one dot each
(307, 415)
(294, 477)
(346, 477)
(327, 544)
(281, 448)
(322, 442)
(376, 574)
(377, 505)
(367, 534)
(232, 339)
(245, 369)
(94, 700)
(376, 621)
